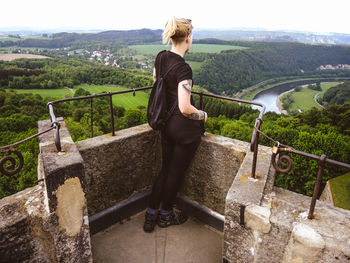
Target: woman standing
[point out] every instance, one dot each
(182, 134)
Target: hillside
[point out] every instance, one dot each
(233, 70)
(339, 94)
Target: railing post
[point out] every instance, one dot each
(255, 155)
(201, 100)
(112, 113)
(317, 186)
(92, 117)
(255, 142)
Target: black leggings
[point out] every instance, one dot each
(176, 158)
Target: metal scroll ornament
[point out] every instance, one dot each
(11, 169)
(284, 163)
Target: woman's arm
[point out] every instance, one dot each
(184, 98)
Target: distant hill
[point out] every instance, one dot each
(339, 94)
(272, 36)
(64, 39)
(120, 36)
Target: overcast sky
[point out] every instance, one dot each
(302, 15)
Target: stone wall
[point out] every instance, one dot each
(213, 169)
(116, 167)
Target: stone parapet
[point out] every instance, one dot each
(117, 167)
(213, 170)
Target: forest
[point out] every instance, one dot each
(339, 94)
(58, 73)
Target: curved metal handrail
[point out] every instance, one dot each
(12, 168)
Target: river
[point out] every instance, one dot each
(269, 96)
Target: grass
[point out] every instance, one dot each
(55, 93)
(341, 191)
(205, 48)
(126, 100)
(304, 99)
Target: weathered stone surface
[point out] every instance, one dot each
(213, 169)
(326, 195)
(116, 167)
(22, 236)
(258, 218)
(305, 245)
(294, 238)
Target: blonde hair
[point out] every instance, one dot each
(176, 30)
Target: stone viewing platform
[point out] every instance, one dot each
(89, 206)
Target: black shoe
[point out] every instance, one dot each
(150, 222)
(173, 218)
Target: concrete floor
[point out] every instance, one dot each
(192, 242)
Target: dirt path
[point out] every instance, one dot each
(251, 88)
(315, 99)
(71, 90)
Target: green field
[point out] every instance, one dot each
(205, 48)
(341, 191)
(304, 99)
(126, 100)
(55, 93)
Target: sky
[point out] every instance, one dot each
(301, 15)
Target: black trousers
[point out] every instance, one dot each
(176, 158)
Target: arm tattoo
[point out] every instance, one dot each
(196, 116)
(187, 85)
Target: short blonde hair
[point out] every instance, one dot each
(176, 30)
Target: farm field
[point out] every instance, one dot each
(304, 99)
(205, 48)
(10, 57)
